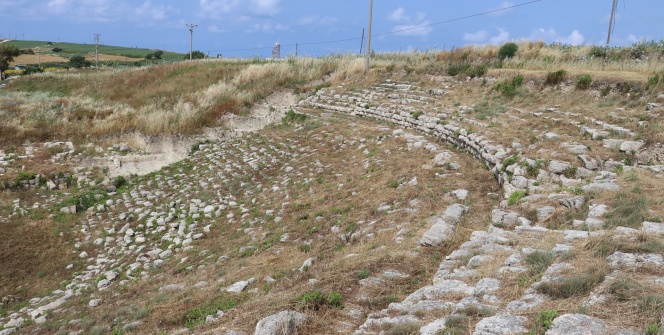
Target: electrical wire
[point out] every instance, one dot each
(394, 31)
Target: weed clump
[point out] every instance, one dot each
(538, 261)
(543, 322)
(576, 285)
(583, 82)
(555, 78)
(316, 300)
(293, 117)
(508, 88)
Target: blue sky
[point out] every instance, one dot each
(230, 27)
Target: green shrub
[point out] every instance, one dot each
(508, 50)
(606, 90)
(555, 78)
(597, 52)
(417, 114)
(467, 70)
(515, 197)
(334, 299)
(293, 117)
(653, 81)
(78, 61)
(508, 161)
(363, 274)
(56, 49)
(544, 322)
(583, 82)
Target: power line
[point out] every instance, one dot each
(397, 31)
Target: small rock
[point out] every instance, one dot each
(282, 323)
(577, 324)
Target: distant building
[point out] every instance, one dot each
(276, 51)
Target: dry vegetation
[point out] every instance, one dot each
(185, 98)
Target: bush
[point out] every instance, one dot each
(194, 55)
(293, 117)
(583, 82)
(56, 49)
(467, 70)
(508, 50)
(598, 52)
(507, 88)
(555, 78)
(78, 61)
(544, 321)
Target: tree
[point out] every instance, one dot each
(508, 50)
(7, 54)
(195, 55)
(78, 61)
(158, 54)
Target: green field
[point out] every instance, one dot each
(69, 49)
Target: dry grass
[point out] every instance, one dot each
(34, 59)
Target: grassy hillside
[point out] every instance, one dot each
(542, 171)
(69, 49)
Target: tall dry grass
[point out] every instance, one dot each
(169, 99)
(184, 98)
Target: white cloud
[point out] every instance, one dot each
(409, 27)
(415, 30)
(399, 15)
(478, 37)
(550, 35)
(216, 8)
(265, 7)
(150, 11)
(483, 37)
(502, 37)
(575, 38)
(266, 27)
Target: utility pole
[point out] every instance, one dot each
(366, 62)
(362, 43)
(296, 46)
(612, 23)
(97, 51)
(39, 57)
(191, 39)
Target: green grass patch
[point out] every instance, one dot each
(630, 209)
(515, 197)
(576, 285)
(196, 316)
(316, 300)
